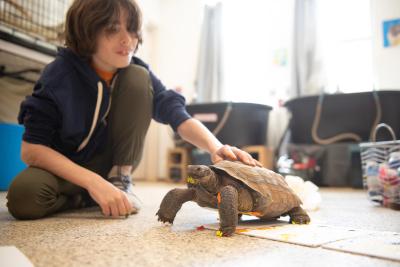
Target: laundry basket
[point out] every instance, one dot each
(381, 169)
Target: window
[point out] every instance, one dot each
(344, 29)
(256, 50)
(257, 47)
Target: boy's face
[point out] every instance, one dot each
(115, 45)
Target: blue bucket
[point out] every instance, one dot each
(10, 149)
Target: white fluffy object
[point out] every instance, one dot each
(307, 192)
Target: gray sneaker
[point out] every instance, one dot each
(123, 182)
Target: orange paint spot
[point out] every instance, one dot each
(253, 213)
(219, 197)
(245, 230)
(241, 230)
(264, 228)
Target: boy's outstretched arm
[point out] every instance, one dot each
(194, 132)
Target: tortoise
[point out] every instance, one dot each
(235, 189)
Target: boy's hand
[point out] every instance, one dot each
(227, 152)
(112, 201)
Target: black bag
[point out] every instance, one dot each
(340, 122)
(237, 124)
(355, 113)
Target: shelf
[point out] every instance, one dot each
(177, 162)
(25, 41)
(265, 155)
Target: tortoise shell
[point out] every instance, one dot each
(268, 184)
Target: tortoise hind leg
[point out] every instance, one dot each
(298, 216)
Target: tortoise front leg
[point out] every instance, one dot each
(228, 210)
(173, 202)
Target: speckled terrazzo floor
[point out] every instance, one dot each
(85, 238)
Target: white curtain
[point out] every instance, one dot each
(307, 72)
(209, 69)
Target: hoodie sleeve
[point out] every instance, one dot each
(40, 116)
(168, 105)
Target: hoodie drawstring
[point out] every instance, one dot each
(95, 117)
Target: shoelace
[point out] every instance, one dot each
(122, 182)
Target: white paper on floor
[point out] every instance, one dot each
(385, 245)
(12, 256)
(312, 235)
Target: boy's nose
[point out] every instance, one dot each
(126, 38)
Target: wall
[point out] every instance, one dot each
(179, 36)
(386, 60)
(171, 36)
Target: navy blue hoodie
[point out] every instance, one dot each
(61, 111)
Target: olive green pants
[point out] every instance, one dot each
(36, 193)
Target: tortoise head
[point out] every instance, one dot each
(203, 175)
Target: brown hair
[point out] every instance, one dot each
(86, 18)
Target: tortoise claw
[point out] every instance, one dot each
(298, 216)
(228, 231)
(162, 218)
(300, 219)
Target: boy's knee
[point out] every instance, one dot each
(29, 197)
(136, 79)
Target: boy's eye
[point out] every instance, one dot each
(133, 34)
(112, 28)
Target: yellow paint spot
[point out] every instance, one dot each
(219, 233)
(190, 180)
(286, 237)
(242, 230)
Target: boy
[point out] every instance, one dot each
(86, 121)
